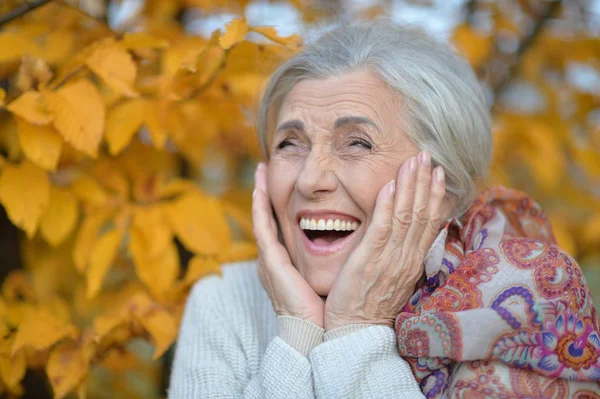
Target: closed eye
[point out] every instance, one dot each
(361, 143)
(283, 144)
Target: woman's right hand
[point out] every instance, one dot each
(289, 292)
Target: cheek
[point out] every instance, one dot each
(363, 180)
(280, 184)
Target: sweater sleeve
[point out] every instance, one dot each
(211, 363)
(361, 362)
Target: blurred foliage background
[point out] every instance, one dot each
(127, 150)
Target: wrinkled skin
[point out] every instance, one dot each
(359, 169)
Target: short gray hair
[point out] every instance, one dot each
(446, 109)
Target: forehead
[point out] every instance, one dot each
(357, 93)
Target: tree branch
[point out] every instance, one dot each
(21, 10)
(525, 45)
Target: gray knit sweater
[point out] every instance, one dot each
(233, 345)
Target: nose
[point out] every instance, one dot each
(317, 178)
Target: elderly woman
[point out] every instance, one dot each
(382, 271)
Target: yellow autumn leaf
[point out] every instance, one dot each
(591, 231)
(294, 41)
(157, 273)
(41, 144)
(87, 235)
(152, 224)
(201, 266)
(162, 327)
(114, 65)
(136, 302)
(473, 45)
(122, 123)
(12, 367)
(68, 365)
(59, 219)
(142, 40)
(111, 176)
(238, 251)
(89, 191)
(29, 107)
(78, 112)
(101, 259)
(24, 192)
(209, 64)
(40, 330)
(154, 123)
(14, 45)
(235, 32)
(544, 156)
(564, 238)
(57, 46)
(2, 97)
(32, 73)
(200, 223)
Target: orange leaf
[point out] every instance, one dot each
(122, 123)
(157, 273)
(40, 330)
(199, 267)
(29, 107)
(101, 259)
(58, 221)
(294, 41)
(235, 33)
(114, 65)
(200, 224)
(68, 365)
(24, 192)
(78, 112)
(2, 97)
(163, 329)
(41, 144)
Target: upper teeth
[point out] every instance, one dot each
(329, 224)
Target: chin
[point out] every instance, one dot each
(321, 279)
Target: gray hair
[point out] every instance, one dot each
(446, 109)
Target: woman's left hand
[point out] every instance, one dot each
(381, 273)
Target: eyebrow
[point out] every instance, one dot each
(341, 121)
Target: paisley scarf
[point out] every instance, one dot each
(502, 311)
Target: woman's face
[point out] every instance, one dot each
(336, 142)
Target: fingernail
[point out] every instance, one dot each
(439, 174)
(392, 186)
(423, 157)
(412, 164)
(254, 193)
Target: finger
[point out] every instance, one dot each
(260, 183)
(262, 219)
(260, 177)
(437, 212)
(420, 210)
(379, 229)
(403, 205)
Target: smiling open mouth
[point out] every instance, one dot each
(323, 232)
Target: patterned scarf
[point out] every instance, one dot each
(504, 304)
